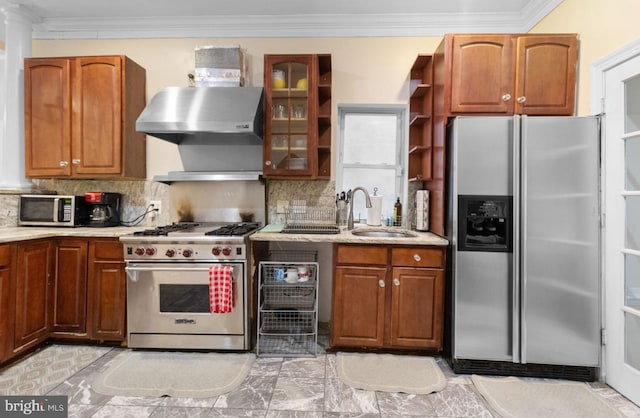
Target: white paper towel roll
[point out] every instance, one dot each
(374, 213)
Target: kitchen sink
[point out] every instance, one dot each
(382, 233)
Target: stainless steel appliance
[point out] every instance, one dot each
(52, 210)
(168, 286)
(104, 208)
(218, 131)
(524, 226)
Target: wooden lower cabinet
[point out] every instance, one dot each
(33, 293)
(89, 290)
(388, 297)
(414, 322)
(106, 319)
(70, 288)
(7, 306)
(361, 323)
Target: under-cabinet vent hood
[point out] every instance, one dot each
(221, 114)
(218, 131)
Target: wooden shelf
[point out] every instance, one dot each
(417, 149)
(420, 118)
(420, 90)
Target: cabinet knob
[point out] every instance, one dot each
(521, 99)
(63, 163)
(381, 283)
(267, 163)
(417, 257)
(75, 161)
(506, 97)
(396, 282)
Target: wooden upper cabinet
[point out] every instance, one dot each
(297, 140)
(546, 68)
(97, 118)
(481, 73)
(510, 74)
(80, 115)
(47, 114)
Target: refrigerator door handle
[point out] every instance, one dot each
(515, 273)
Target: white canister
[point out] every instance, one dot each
(422, 210)
(374, 213)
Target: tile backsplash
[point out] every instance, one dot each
(204, 198)
(135, 196)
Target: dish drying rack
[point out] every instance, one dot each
(303, 219)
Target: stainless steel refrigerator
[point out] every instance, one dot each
(524, 222)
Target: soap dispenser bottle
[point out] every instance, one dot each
(397, 213)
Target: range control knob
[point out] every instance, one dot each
(150, 251)
(216, 250)
(170, 252)
(226, 251)
(139, 251)
(187, 253)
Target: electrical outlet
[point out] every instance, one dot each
(157, 205)
(281, 206)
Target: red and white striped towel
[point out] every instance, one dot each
(221, 289)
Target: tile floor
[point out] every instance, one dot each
(277, 387)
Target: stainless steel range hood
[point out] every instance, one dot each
(218, 130)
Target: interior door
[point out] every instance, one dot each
(622, 230)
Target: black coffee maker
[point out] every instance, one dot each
(104, 208)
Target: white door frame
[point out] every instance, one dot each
(598, 74)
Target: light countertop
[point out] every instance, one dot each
(270, 233)
(22, 233)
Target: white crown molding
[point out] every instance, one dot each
(298, 26)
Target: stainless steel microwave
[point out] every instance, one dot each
(53, 210)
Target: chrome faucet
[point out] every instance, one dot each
(353, 195)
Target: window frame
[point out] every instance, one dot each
(401, 112)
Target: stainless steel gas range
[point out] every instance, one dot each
(168, 286)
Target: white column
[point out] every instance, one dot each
(17, 39)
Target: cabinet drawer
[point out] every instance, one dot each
(108, 250)
(417, 257)
(361, 254)
(5, 255)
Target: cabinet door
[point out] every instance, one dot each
(290, 141)
(417, 308)
(106, 290)
(97, 115)
(7, 297)
(546, 67)
(358, 307)
(482, 75)
(33, 300)
(47, 113)
(70, 287)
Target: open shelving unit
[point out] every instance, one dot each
(420, 118)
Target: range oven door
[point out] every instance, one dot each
(170, 299)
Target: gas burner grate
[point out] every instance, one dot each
(164, 230)
(234, 229)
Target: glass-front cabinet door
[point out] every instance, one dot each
(290, 137)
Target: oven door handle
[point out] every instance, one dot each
(132, 272)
